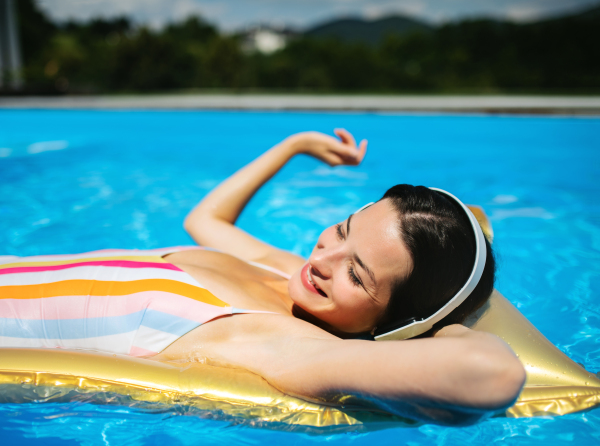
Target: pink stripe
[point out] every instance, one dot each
(120, 263)
(78, 307)
(139, 351)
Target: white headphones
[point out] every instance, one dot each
(416, 327)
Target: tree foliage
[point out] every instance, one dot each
(112, 55)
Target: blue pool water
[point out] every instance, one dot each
(73, 181)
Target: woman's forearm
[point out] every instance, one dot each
(212, 222)
(227, 201)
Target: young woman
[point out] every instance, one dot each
(306, 325)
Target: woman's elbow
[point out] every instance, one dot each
(503, 377)
(509, 382)
(188, 223)
(191, 224)
(196, 218)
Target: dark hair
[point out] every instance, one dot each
(440, 240)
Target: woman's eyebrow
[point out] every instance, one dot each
(356, 258)
(348, 225)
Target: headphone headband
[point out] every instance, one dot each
(415, 328)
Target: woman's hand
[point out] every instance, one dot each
(329, 149)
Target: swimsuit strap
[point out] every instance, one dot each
(270, 268)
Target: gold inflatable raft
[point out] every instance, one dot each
(555, 384)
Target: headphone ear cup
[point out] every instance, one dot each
(364, 337)
(392, 327)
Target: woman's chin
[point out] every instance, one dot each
(306, 316)
(309, 302)
(302, 313)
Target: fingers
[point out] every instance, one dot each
(345, 136)
(333, 160)
(351, 155)
(335, 151)
(362, 150)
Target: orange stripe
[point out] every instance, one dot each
(153, 259)
(108, 288)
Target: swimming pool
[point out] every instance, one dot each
(74, 181)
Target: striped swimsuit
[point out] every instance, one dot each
(119, 301)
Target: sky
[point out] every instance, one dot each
(230, 15)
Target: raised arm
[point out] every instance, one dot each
(212, 222)
(455, 378)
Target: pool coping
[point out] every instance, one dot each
(488, 104)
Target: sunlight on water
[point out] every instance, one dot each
(79, 181)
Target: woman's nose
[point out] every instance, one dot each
(323, 260)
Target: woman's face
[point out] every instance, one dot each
(348, 279)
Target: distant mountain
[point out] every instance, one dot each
(369, 31)
(585, 15)
(372, 31)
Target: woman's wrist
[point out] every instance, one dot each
(292, 145)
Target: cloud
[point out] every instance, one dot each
(235, 14)
(523, 13)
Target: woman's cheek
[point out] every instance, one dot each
(343, 296)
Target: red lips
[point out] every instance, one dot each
(309, 286)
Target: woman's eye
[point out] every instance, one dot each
(355, 280)
(338, 228)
